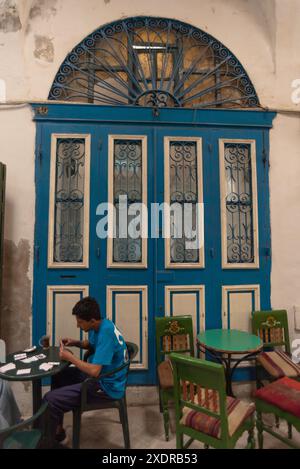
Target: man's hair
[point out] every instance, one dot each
(87, 309)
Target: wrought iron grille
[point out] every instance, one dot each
(127, 191)
(153, 62)
(239, 204)
(183, 197)
(69, 200)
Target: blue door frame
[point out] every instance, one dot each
(99, 122)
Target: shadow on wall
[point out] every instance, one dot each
(16, 296)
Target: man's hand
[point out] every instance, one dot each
(64, 354)
(71, 342)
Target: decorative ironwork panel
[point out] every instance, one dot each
(127, 190)
(153, 62)
(69, 200)
(183, 200)
(239, 204)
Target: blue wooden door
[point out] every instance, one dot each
(215, 162)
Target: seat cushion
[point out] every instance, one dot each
(283, 393)
(165, 374)
(238, 412)
(278, 364)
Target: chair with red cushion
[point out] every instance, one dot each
(272, 328)
(282, 399)
(203, 411)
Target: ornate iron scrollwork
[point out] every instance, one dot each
(154, 62)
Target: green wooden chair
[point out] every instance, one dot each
(282, 399)
(173, 334)
(275, 360)
(119, 404)
(203, 411)
(20, 436)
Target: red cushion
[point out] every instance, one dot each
(283, 393)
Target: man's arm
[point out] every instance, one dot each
(89, 368)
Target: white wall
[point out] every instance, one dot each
(36, 35)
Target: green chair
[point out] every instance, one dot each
(203, 411)
(173, 334)
(119, 404)
(282, 399)
(20, 437)
(275, 360)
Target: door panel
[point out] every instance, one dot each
(137, 279)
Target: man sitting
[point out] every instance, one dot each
(109, 352)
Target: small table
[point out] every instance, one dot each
(221, 344)
(36, 375)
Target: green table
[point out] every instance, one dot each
(222, 344)
(36, 375)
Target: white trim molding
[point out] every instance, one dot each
(86, 213)
(223, 194)
(200, 289)
(200, 213)
(143, 345)
(144, 223)
(226, 289)
(51, 289)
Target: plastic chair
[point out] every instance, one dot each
(203, 411)
(16, 437)
(119, 404)
(173, 334)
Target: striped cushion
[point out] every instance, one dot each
(237, 411)
(283, 393)
(278, 364)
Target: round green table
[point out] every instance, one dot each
(36, 375)
(223, 344)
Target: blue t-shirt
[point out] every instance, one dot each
(110, 352)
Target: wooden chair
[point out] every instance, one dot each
(119, 404)
(203, 411)
(282, 399)
(173, 334)
(275, 360)
(20, 436)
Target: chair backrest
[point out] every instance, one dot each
(272, 327)
(200, 385)
(174, 334)
(132, 350)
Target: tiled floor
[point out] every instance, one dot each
(100, 429)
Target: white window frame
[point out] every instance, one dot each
(86, 213)
(183, 265)
(144, 229)
(225, 263)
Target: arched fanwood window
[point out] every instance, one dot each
(153, 62)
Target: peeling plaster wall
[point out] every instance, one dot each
(35, 37)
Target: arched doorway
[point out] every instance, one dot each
(157, 112)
